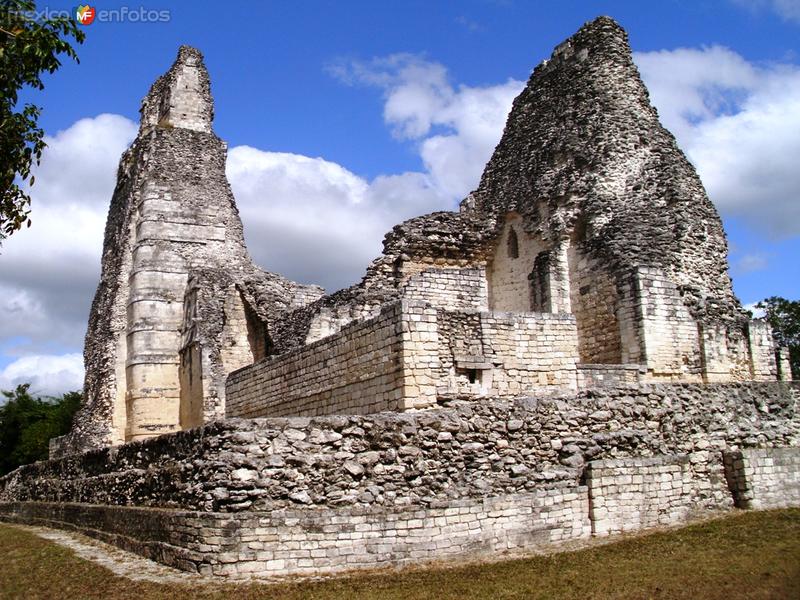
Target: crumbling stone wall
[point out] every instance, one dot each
(357, 370)
(510, 354)
(470, 449)
(300, 495)
(316, 542)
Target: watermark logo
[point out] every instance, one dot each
(85, 14)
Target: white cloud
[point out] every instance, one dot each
(48, 375)
(48, 273)
(788, 10)
(751, 262)
(313, 220)
(456, 128)
(740, 124)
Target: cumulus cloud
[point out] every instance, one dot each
(48, 375)
(316, 222)
(48, 273)
(455, 127)
(740, 124)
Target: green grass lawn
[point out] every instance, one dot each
(747, 555)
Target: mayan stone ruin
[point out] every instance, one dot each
(564, 357)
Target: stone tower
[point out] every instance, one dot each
(614, 220)
(175, 309)
(586, 208)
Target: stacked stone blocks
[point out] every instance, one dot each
(764, 477)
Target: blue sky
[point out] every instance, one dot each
(356, 115)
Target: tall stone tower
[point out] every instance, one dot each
(176, 308)
(587, 207)
(615, 222)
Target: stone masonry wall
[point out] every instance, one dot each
(407, 356)
(450, 288)
(302, 542)
(358, 370)
(310, 496)
(505, 354)
(639, 493)
(761, 478)
(592, 376)
(763, 363)
(470, 449)
(668, 332)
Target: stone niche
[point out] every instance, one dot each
(511, 265)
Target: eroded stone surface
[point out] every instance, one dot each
(177, 282)
(489, 447)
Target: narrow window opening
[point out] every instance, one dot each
(513, 244)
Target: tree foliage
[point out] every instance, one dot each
(784, 317)
(28, 49)
(27, 424)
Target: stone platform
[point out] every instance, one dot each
(283, 496)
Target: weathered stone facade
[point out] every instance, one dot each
(562, 358)
(171, 315)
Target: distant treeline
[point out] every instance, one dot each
(27, 423)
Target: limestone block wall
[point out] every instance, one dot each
(594, 302)
(314, 542)
(356, 370)
(724, 352)
(763, 363)
(620, 495)
(369, 366)
(505, 354)
(764, 477)
(469, 449)
(784, 364)
(407, 356)
(640, 493)
(155, 310)
(530, 352)
(669, 337)
(310, 496)
(592, 376)
(450, 288)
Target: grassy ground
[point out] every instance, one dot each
(749, 555)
